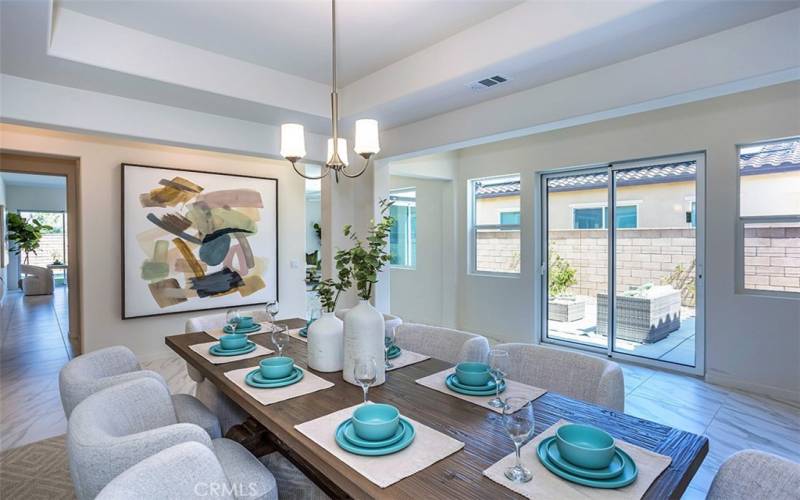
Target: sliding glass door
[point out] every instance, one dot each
(626, 238)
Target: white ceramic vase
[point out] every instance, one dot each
(326, 344)
(363, 337)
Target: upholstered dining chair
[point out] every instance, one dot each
(448, 345)
(390, 321)
(751, 474)
(186, 470)
(118, 427)
(91, 372)
(227, 411)
(576, 375)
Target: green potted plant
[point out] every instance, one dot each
(560, 276)
(364, 327)
(25, 235)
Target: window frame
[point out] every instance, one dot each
(409, 244)
(743, 221)
(472, 243)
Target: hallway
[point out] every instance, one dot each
(33, 347)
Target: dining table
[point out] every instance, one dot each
(459, 475)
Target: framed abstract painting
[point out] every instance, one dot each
(196, 240)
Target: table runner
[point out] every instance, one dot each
(436, 381)
(202, 349)
(429, 447)
(546, 485)
(310, 383)
(406, 358)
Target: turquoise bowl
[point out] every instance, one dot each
(277, 367)
(245, 322)
(376, 422)
(585, 446)
(234, 341)
(474, 374)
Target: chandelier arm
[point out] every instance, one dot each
(366, 164)
(326, 169)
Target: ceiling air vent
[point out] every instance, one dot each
(488, 82)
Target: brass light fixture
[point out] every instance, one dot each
(293, 142)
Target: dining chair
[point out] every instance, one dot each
(186, 470)
(446, 344)
(579, 376)
(118, 427)
(227, 411)
(37, 281)
(750, 474)
(390, 321)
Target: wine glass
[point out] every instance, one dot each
(232, 317)
(271, 310)
(519, 421)
(366, 373)
(280, 336)
(388, 342)
(499, 365)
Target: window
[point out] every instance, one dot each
(53, 245)
(769, 218)
(495, 225)
(403, 238)
(597, 217)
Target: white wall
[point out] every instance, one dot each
(44, 198)
(313, 214)
(100, 249)
(434, 268)
(752, 342)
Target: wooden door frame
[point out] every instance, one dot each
(69, 167)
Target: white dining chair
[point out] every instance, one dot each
(446, 344)
(751, 474)
(578, 376)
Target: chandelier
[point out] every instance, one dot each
(293, 142)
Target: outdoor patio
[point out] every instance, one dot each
(677, 347)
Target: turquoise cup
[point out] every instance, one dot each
(245, 322)
(375, 422)
(585, 446)
(471, 373)
(233, 341)
(277, 367)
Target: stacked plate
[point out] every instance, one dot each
(232, 345)
(393, 352)
(375, 430)
(274, 372)
(473, 379)
(245, 325)
(586, 455)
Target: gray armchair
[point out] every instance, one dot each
(184, 471)
(118, 427)
(37, 280)
(448, 345)
(572, 374)
(752, 474)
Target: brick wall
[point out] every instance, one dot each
(498, 251)
(772, 257)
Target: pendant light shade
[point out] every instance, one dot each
(293, 141)
(341, 150)
(367, 137)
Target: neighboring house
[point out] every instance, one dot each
(652, 197)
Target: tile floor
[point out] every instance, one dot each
(30, 409)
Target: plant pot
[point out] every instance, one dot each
(363, 337)
(326, 344)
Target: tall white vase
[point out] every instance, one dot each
(363, 337)
(326, 344)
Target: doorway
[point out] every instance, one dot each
(622, 251)
(43, 191)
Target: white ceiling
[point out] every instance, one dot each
(401, 61)
(11, 179)
(294, 36)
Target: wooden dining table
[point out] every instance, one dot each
(459, 475)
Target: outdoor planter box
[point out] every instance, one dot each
(566, 309)
(642, 319)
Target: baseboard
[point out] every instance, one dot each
(763, 390)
